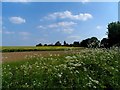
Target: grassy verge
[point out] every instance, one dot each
(87, 69)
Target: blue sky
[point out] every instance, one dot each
(32, 23)
(119, 11)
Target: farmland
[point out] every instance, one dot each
(69, 68)
(21, 52)
(33, 48)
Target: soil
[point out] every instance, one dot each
(15, 56)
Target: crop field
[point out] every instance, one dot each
(33, 48)
(21, 52)
(82, 69)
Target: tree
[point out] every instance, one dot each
(58, 43)
(50, 44)
(45, 45)
(114, 33)
(84, 43)
(104, 43)
(65, 44)
(71, 45)
(39, 44)
(76, 44)
(92, 42)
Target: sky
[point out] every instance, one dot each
(0, 24)
(59, 0)
(119, 11)
(30, 23)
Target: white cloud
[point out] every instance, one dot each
(65, 27)
(66, 24)
(69, 15)
(67, 30)
(52, 26)
(57, 25)
(62, 24)
(98, 27)
(17, 20)
(41, 27)
(9, 32)
(24, 33)
(84, 1)
(73, 37)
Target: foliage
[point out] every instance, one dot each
(76, 44)
(92, 42)
(114, 33)
(65, 43)
(39, 44)
(104, 43)
(58, 43)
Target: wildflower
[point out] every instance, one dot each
(59, 75)
(94, 87)
(77, 71)
(84, 68)
(50, 55)
(8, 65)
(68, 57)
(37, 66)
(74, 57)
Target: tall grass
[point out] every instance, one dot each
(87, 69)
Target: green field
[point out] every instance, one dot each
(33, 48)
(84, 70)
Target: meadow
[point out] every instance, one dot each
(84, 69)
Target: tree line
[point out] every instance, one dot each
(113, 39)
